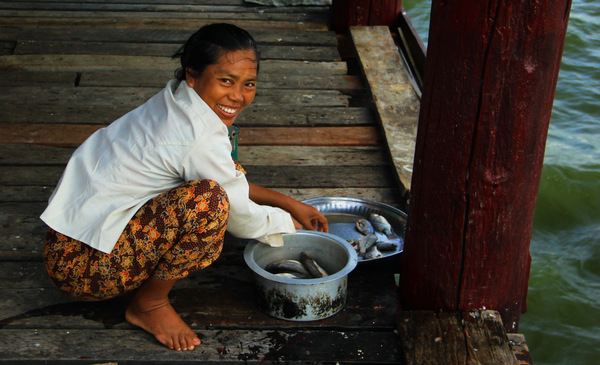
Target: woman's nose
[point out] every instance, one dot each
(236, 95)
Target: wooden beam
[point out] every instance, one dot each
(396, 102)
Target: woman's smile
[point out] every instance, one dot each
(228, 86)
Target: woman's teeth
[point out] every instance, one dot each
(226, 109)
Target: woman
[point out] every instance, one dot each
(147, 200)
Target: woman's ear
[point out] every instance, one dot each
(190, 77)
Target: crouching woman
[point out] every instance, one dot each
(147, 200)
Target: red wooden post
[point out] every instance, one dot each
(364, 12)
(489, 85)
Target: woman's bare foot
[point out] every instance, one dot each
(151, 310)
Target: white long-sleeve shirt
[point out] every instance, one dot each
(174, 137)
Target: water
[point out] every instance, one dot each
(562, 323)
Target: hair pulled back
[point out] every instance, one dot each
(206, 45)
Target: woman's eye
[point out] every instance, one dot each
(226, 81)
(250, 84)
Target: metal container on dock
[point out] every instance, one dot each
(302, 299)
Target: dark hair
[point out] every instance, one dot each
(207, 44)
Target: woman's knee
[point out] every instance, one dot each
(210, 196)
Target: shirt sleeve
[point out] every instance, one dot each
(210, 158)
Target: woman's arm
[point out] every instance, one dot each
(304, 215)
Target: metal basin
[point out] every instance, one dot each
(302, 299)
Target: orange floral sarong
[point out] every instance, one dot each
(172, 235)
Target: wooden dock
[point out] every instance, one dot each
(324, 123)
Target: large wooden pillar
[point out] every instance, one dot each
(491, 73)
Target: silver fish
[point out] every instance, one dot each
(386, 246)
(364, 226)
(291, 275)
(288, 266)
(311, 265)
(372, 253)
(365, 242)
(381, 224)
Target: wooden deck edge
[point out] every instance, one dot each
(396, 101)
(477, 337)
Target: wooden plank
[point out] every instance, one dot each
(294, 52)
(475, 338)
(158, 78)
(28, 154)
(107, 62)
(253, 116)
(269, 176)
(218, 345)
(429, 339)
(156, 30)
(156, 7)
(396, 102)
(29, 78)
(73, 134)
(193, 2)
(56, 21)
(37, 193)
(487, 340)
(135, 96)
(520, 348)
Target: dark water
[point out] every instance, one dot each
(562, 323)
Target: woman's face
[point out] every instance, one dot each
(229, 85)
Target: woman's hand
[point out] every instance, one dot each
(304, 216)
(308, 217)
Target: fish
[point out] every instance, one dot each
(365, 242)
(386, 246)
(364, 226)
(372, 253)
(291, 275)
(288, 266)
(380, 224)
(311, 265)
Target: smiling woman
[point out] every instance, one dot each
(220, 62)
(147, 200)
(228, 86)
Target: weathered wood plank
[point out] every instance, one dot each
(73, 134)
(23, 47)
(395, 99)
(29, 78)
(429, 339)
(181, 7)
(520, 348)
(268, 176)
(153, 28)
(219, 345)
(158, 78)
(36, 193)
(28, 154)
(135, 96)
(108, 62)
(487, 340)
(253, 115)
(454, 338)
(188, 2)
(138, 21)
